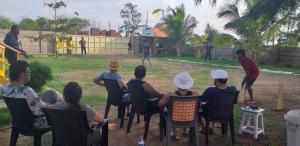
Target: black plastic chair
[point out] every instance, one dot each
(70, 128)
(219, 109)
(140, 101)
(182, 112)
(114, 98)
(22, 121)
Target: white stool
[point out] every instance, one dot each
(258, 124)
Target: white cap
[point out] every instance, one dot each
(219, 74)
(183, 80)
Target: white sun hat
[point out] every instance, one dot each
(183, 80)
(219, 74)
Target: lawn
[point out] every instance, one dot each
(84, 69)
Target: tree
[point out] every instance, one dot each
(55, 6)
(28, 24)
(131, 18)
(179, 27)
(5, 23)
(249, 32)
(71, 25)
(44, 24)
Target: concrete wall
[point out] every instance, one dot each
(98, 45)
(28, 45)
(286, 56)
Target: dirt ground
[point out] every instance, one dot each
(265, 89)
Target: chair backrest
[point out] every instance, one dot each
(220, 105)
(22, 117)
(183, 110)
(69, 127)
(114, 92)
(139, 97)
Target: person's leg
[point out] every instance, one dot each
(82, 51)
(144, 59)
(148, 57)
(249, 84)
(250, 91)
(205, 57)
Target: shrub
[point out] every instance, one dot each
(40, 74)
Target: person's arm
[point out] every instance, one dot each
(165, 99)
(122, 85)
(98, 118)
(151, 91)
(98, 80)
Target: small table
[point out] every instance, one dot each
(255, 127)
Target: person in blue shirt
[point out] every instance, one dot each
(147, 52)
(11, 39)
(220, 78)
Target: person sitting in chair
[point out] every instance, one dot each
(111, 75)
(220, 78)
(72, 95)
(140, 74)
(19, 75)
(183, 82)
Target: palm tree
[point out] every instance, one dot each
(266, 8)
(248, 31)
(179, 27)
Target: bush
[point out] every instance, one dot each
(40, 74)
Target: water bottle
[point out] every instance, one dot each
(141, 142)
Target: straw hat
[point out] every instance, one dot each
(183, 80)
(113, 64)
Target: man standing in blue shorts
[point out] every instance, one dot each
(251, 71)
(147, 52)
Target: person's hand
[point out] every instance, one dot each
(24, 54)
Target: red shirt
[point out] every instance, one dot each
(250, 68)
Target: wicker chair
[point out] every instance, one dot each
(183, 113)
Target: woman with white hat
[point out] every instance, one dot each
(183, 82)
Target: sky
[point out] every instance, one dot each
(103, 13)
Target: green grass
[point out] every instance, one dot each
(223, 62)
(5, 117)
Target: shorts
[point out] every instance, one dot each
(147, 56)
(249, 82)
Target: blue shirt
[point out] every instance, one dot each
(211, 90)
(109, 76)
(11, 39)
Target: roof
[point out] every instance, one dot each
(158, 30)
